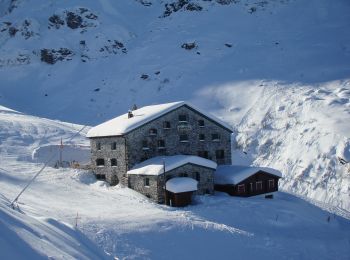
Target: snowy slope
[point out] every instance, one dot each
(25, 237)
(277, 70)
(127, 225)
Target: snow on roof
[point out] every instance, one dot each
(181, 184)
(234, 174)
(154, 166)
(122, 124)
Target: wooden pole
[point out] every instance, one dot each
(165, 193)
(61, 148)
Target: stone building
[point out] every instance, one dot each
(163, 131)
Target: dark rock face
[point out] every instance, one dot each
(73, 20)
(144, 2)
(144, 76)
(12, 31)
(180, 5)
(25, 29)
(51, 56)
(189, 45)
(56, 21)
(226, 2)
(113, 47)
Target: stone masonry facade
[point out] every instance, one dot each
(156, 183)
(171, 136)
(180, 131)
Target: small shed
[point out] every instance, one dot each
(180, 191)
(246, 181)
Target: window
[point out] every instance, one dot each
(198, 176)
(201, 123)
(161, 144)
(153, 131)
(201, 137)
(251, 187)
(114, 146)
(146, 182)
(100, 176)
(113, 162)
(184, 138)
(271, 184)
(145, 145)
(241, 189)
(98, 146)
(100, 162)
(259, 185)
(182, 118)
(220, 154)
(215, 137)
(166, 125)
(203, 154)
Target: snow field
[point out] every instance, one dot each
(125, 224)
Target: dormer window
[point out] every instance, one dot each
(166, 125)
(114, 146)
(215, 137)
(182, 118)
(153, 131)
(201, 123)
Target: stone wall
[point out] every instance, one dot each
(113, 174)
(155, 190)
(171, 137)
(130, 149)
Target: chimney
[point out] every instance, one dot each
(130, 114)
(134, 107)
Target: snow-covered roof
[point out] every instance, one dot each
(122, 124)
(234, 174)
(181, 184)
(154, 166)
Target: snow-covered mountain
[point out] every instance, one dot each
(127, 225)
(276, 70)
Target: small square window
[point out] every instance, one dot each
(259, 185)
(182, 118)
(201, 137)
(153, 131)
(201, 123)
(114, 146)
(113, 162)
(166, 125)
(145, 145)
(146, 182)
(241, 189)
(161, 144)
(220, 154)
(184, 138)
(215, 137)
(100, 162)
(203, 154)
